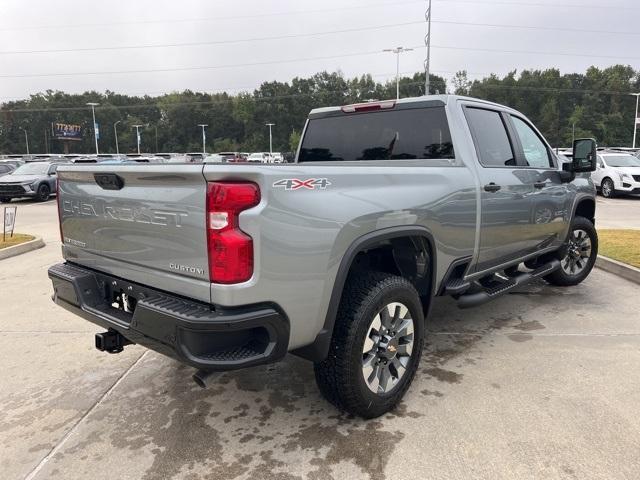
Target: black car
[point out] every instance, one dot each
(35, 179)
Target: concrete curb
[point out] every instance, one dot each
(22, 248)
(618, 268)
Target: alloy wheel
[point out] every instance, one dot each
(578, 252)
(387, 348)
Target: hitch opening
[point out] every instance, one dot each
(111, 342)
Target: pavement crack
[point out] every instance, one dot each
(77, 424)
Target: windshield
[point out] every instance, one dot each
(622, 161)
(32, 169)
(418, 133)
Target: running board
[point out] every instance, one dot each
(478, 298)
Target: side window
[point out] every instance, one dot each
(490, 137)
(52, 169)
(600, 165)
(535, 151)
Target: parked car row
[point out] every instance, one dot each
(617, 172)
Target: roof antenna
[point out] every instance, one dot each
(427, 43)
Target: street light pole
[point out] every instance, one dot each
(26, 138)
(93, 106)
(397, 51)
(635, 120)
(137, 127)
(115, 132)
(427, 41)
(204, 136)
(270, 138)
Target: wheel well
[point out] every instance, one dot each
(409, 257)
(408, 252)
(587, 209)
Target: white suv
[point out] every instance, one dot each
(617, 173)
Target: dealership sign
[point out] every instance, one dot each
(9, 221)
(66, 131)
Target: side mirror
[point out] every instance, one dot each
(584, 155)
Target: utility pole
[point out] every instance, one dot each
(635, 120)
(137, 127)
(427, 42)
(115, 133)
(270, 138)
(397, 51)
(93, 106)
(26, 138)
(204, 136)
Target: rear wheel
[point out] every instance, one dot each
(5, 199)
(578, 257)
(43, 193)
(376, 345)
(608, 188)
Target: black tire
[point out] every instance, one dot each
(608, 188)
(44, 192)
(563, 277)
(340, 376)
(5, 200)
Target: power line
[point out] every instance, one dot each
(181, 69)
(544, 5)
(216, 42)
(532, 27)
(213, 19)
(304, 12)
(314, 34)
(295, 60)
(533, 52)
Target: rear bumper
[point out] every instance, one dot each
(207, 337)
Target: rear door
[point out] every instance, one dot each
(506, 189)
(144, 223)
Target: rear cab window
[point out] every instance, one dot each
(490, 136)
(399, 134)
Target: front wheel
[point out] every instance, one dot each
(608, 188)
(376, 345)
(578, 256)
(43, 193)
(5, 200)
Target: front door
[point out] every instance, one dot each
(506, 190)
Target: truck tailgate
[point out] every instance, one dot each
(141, 223)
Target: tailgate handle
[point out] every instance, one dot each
(109, 181)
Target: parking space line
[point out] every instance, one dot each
(75, 427)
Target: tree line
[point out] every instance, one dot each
(596, 104)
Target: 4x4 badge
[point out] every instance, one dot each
(296, 184)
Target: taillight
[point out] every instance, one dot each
(59, 209)
(230, 249)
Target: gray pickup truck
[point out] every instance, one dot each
(335, 258)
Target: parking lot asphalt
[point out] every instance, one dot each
(542, 383)
(620, 212)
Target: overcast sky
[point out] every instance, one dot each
(27, 25)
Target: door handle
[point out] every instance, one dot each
(492, 187)
(540, 185)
